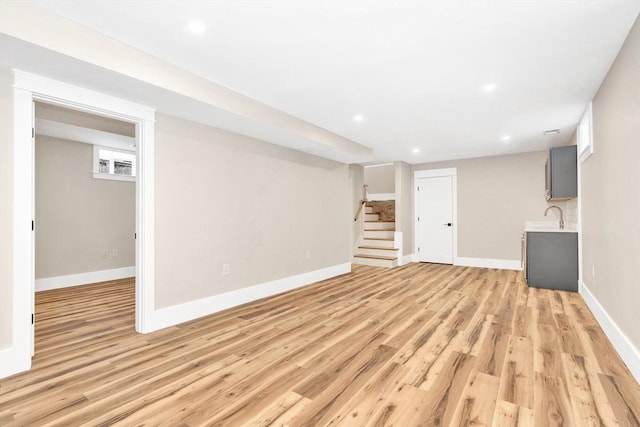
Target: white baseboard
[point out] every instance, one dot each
(406, 259)
(69, 280)
(181, 313)
(503, 264)
(625, 348)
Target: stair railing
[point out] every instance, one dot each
(362, 202)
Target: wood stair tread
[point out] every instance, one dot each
(382, 221)
(386, 258)
(379, 247)
(379, 238)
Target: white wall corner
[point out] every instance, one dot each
(406, 259)
(503, 264)
(625, 348)
(69, 280)
(170, 316)
(12, 361)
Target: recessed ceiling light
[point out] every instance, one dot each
(489, 87)
(551, 132)
(196, 27)
(416, 150)
(506, 138)
(358, 118)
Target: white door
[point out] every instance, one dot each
(435, 219)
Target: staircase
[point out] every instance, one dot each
(377, 246)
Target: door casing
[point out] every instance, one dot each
(28, 88)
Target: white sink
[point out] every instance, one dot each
(549, 226)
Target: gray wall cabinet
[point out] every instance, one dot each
(561, 173)
(552, 260)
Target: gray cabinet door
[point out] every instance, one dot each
(552, 260)
(563, 179)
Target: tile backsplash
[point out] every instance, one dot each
(571, 210)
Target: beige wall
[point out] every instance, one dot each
(610, 193)
(380, 179)
(82, 119)
(496, 195)
(356, 181)
(404, 204)
(6, 207)
(78, 217)
(224, 198)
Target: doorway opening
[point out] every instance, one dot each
(85, 199)
(27, 89)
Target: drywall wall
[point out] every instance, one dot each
(404, 204)
(266, 211)
(356, 181)
(610, 193)
(380, 179)
(88, 120)
(79, 217)
(496, 195)
(6, 207)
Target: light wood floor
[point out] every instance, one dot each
(418, 345)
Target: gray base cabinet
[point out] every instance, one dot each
(552, 260)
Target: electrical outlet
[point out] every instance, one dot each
(106, 254)
(114, 253)
(593, 270)
(226, 270)
(307, 255)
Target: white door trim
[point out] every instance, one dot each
(433, 173)
(26, 89)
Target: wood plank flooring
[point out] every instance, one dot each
(418, 345)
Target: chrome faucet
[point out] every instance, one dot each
(561, 216)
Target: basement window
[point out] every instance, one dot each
(113, 163)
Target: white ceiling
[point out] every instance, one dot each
(415, 71)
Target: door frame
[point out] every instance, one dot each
(436, 173)
(28, 88)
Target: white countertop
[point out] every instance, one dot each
(550, 227)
